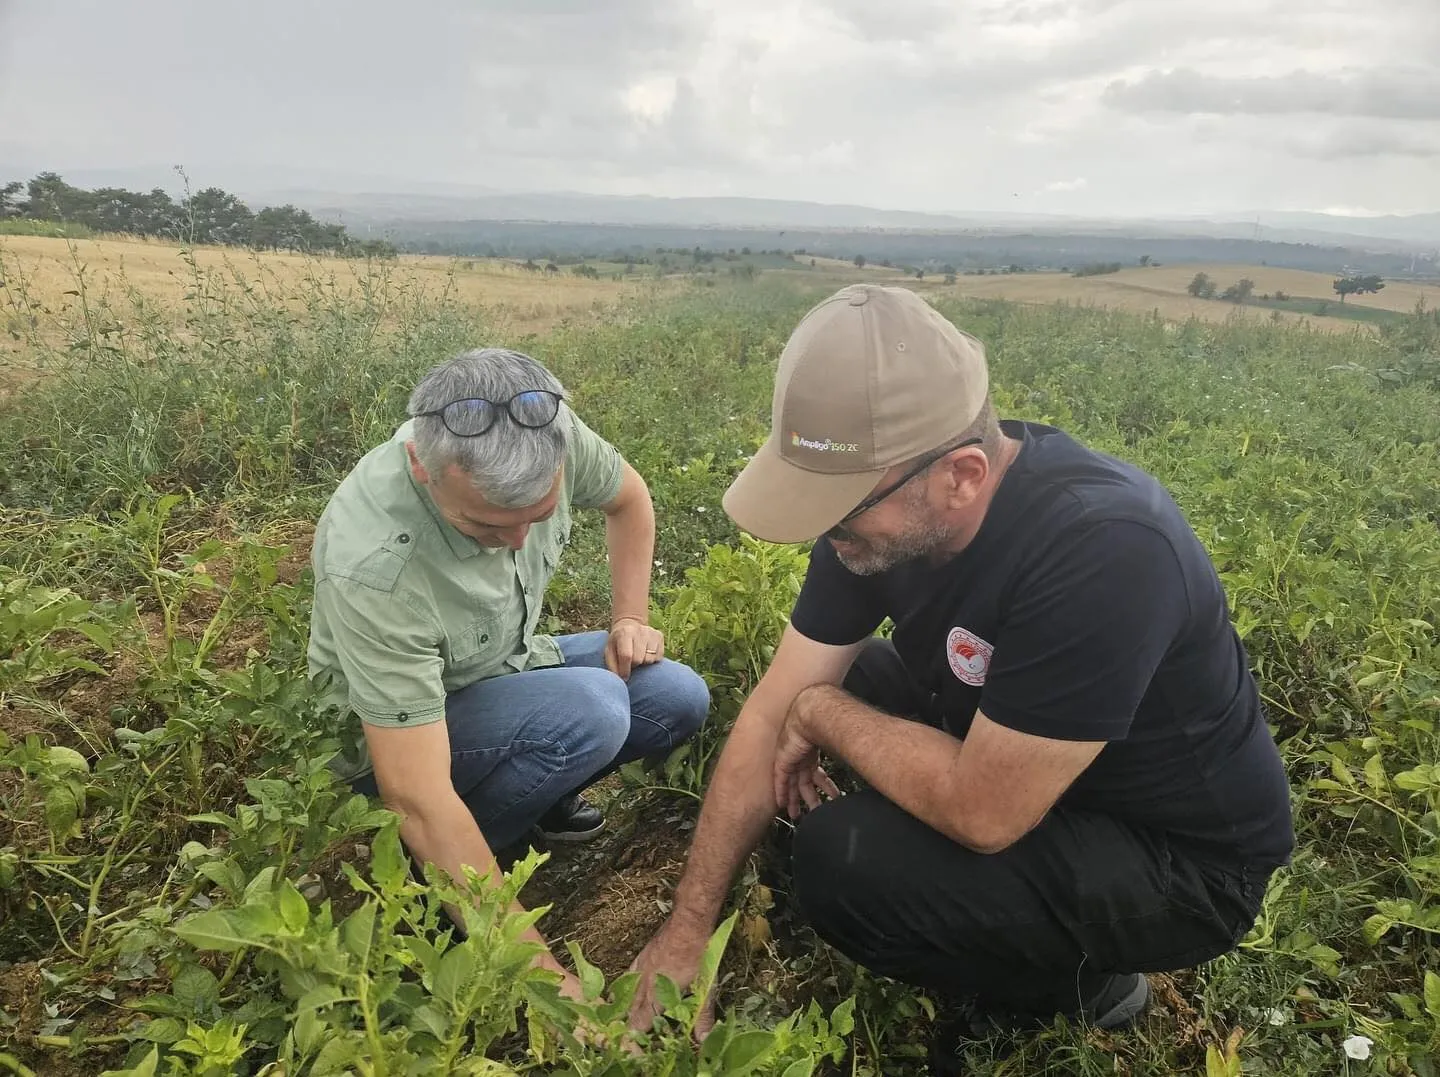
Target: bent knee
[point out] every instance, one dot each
(828, 856)
(692, 702)
(601, 705)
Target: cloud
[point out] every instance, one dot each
(923, 104)
(1360, 141)
(1391, 93)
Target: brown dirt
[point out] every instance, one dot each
(21, 996)
(611, 896)
(1190, 1029)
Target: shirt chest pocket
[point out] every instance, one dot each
(548, 554)
(479, 643)
(555, 546)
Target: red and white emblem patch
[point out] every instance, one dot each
(969, 655)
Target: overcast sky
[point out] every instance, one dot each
(1060, 106)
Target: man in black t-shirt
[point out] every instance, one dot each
(1069, 780)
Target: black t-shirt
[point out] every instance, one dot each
(1085, 609)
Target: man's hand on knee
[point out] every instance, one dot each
(632, 643)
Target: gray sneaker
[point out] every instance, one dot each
(1116, 1005)
(1119, 1003)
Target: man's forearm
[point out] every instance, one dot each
(908, 763)
(738, 807)
(630, 542)
(445, 834)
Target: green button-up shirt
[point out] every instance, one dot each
(407, 608)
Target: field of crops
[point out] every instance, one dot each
(1162, 289)
(186, 892)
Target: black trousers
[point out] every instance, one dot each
(1040, 927)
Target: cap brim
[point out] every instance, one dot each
(774, 500)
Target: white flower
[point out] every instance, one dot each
(1277, 1017)
(699, 508)
(1358, 1047)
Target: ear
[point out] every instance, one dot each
(964, 474)
(416, 467)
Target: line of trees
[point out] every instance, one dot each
(1362, 285)
(209, 216)
(1201, 286)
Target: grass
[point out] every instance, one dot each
(26, 226)
(1331, 308)
(172, 850)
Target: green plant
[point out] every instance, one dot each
(726, 620)
(154, 621)
(34, 621)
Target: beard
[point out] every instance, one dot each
(869, 557)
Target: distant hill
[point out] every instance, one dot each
(571, 208)
(1421, 228)
(364, 204)
(1406, 233)
(930, 249)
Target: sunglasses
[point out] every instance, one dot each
(839, 531)
(530, 408)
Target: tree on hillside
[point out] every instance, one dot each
(1201, 286)
(859, 261)
(1358, 285)
(288, 228)
(10, 205)
(1240, 291)
(215, 216)
(117, 210)
(50, 198)
(1144, 260)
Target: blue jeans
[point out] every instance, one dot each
(521, 741)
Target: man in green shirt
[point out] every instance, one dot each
(431, 562)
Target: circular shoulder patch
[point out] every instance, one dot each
(969, 655)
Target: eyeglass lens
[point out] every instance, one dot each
(532, 408)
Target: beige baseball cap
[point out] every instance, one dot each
(871, 377)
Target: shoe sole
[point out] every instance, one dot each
(573, 836)
(1128, 1008)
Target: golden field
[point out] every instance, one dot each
(1162, 289)
(40, 275)
(49, 270)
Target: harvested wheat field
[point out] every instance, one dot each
(1162, 289)
(48, 271)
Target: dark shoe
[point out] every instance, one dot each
(572, 819)
(1116, 1005)
(1119, 1003)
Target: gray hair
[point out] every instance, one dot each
(511, 466)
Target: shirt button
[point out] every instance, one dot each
(403, 716)
(484, 637)
(403, 537)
